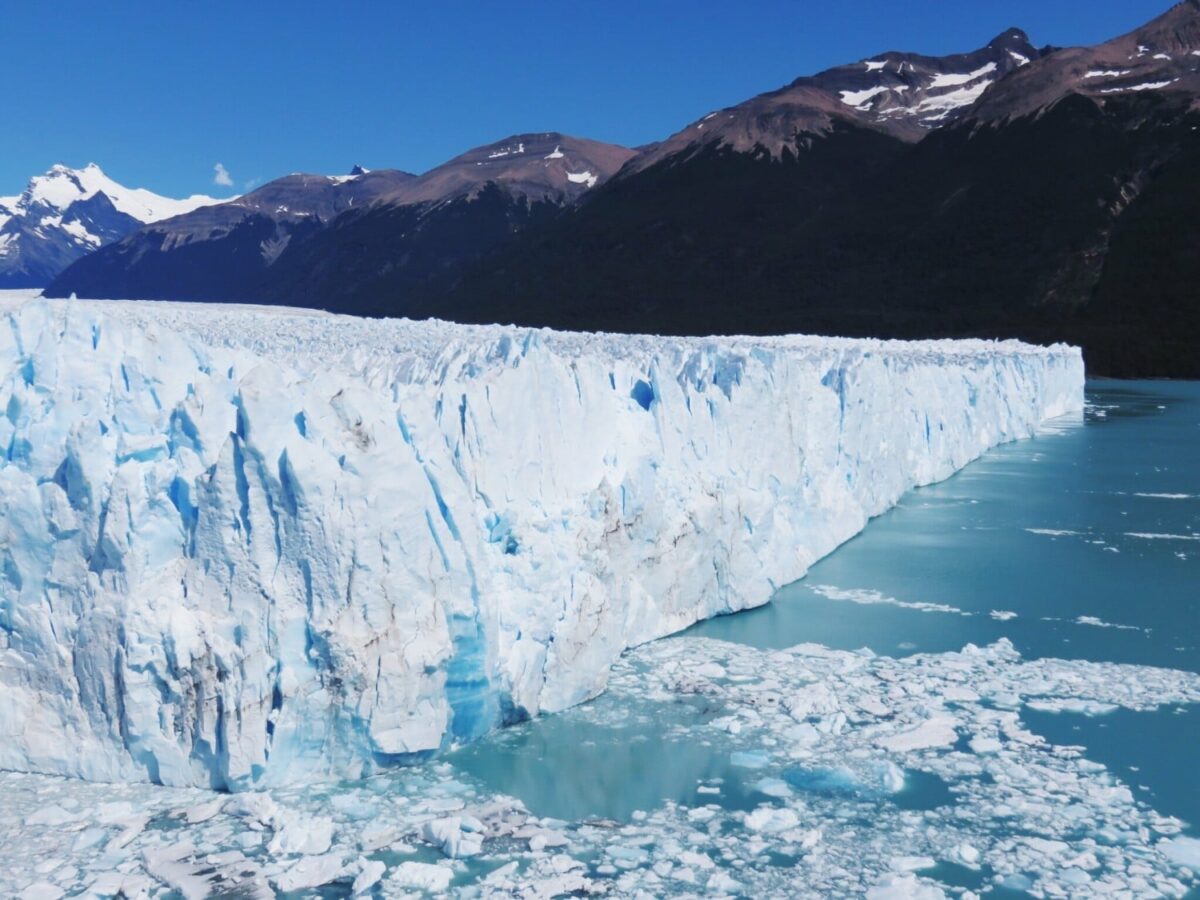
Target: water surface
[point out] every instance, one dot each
(1046, 542)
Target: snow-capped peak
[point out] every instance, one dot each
(61, 186)
(66, 213)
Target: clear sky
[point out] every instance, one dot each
(158, 93)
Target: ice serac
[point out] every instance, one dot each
(243, 547)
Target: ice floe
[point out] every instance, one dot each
(842, 742)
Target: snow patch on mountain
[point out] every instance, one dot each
(1145, 86)
(247, 547)
(583, 178)
(953, 79)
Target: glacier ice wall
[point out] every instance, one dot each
(244, 547)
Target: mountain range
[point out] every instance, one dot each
(1034, 192)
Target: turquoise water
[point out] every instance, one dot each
(1045, 529)
(978, 542)
(971, 543)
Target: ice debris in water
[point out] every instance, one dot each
(834, 809)
(245, 548)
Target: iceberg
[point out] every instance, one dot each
(247, 547)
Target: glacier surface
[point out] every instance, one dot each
(246, 547)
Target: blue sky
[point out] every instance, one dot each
(159, 93)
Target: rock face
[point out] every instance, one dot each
(245, 548)
(67, 213)
(1061, 205)
(1162, 55)
(903, 95)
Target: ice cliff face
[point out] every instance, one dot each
(243, 547)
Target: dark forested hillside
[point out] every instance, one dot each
(1077, 224)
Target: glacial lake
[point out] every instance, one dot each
(1080, 544)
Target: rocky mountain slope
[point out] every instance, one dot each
(1060, 205)
(904, 95)
(392, 230)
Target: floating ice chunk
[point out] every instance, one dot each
(175, 866)
(1072, 705)
(1183, 851)
(456, 836)
(867, 597)
(420, 875)
(891, 776)
(750, 759)
(774, 787)
(52, 814)
(723, 883)
(985, 745)
(936, 731)
(544, 838)
(904, 887)
(696, 860)
(370, 873)
(771, 819)
(42, 890)
(302, 835)
(1003, 615)
(1100, 623)
(1150, 536)
(257, 807)
(310, 872)
(912, 863)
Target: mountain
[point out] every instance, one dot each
(904, 95)
(67, 213)
(314, 239)
(395, 254)
(370, 259)
(1163, 55)
(1062, 204)
(214, 252)
(1049, 194)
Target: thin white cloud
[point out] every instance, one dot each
(221, 176)
(252, 183)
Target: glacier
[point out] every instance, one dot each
(246, 547)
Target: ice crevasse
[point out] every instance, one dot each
(243, 547)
